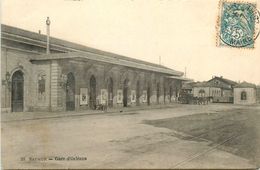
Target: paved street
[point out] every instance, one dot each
(183, 136)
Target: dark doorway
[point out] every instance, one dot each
(164, 94)
(171, 91)
(125, 95)
(110, 92)
(148, 94)
(157, 92)
(138, 93)
(70, 92)
(92, 96)
(17, 92)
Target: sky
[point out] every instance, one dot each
(182, 32)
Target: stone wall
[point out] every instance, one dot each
(250, 95)
(12, 61)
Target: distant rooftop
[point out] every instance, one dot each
(231, 82)
(245, 85)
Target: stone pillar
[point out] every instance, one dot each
(55, 89)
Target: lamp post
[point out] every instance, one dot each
(7, 80)
(48, 23)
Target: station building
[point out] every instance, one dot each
(219, 89)
(75, 77)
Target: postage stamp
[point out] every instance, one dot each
(238, 24)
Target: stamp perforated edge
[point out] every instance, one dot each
(218, 22)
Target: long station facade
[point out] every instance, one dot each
(75, 77)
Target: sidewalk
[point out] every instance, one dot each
(22, 116)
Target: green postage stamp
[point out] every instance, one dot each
(238, 24)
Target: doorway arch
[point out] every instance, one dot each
(148, 94)
(171, 91)
(157, 92)
(93, 95)
(70, 92)
(110, 92)
(17, 97)
(138, 93)
(125, 93)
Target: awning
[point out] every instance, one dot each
(107, 59)
(179, 78)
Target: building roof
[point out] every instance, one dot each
(210, 84)
(36, 39)
(227, 81)
(202, 84)
(245, 85)
(188, 85)
(104, 59)
(180, 78)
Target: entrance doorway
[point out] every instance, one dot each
(171, 91)
(92, 96)
(138, 93)
(70, 92)
(157, 92)
(148, 94)
(110, 92)
(17, 92)
(125, 90)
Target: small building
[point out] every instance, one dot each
(227, 88)
(245, 93)
(218, 89)
(206, 89)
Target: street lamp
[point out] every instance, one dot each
(7, 80)
(48, 22)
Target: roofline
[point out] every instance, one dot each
(37, 39)
(245, 85)
(206, 84)
(180, 78)
(224, 79)
(102, 58)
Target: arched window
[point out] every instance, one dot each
(202, 93)
(243, 95)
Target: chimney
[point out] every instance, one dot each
(39, 31)
(48, 23)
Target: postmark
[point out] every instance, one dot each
(239, 24)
